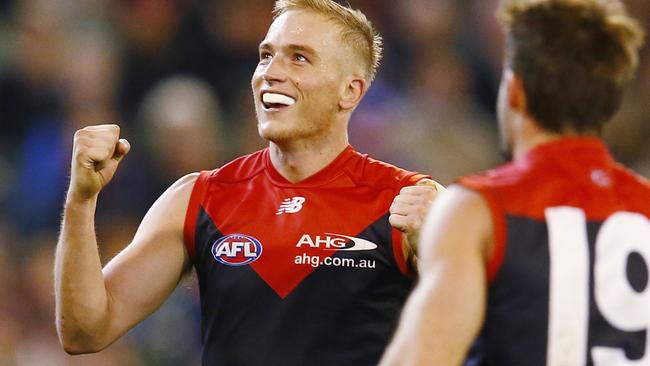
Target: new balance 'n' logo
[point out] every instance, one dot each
(291, 205)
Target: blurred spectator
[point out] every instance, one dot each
(182, 128)
(220, 45)
(150, 38)
(433, 127)
(28, 90)
(85, 72)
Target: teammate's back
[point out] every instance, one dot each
(564, 223)
(543, 261)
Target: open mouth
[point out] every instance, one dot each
(275, 101)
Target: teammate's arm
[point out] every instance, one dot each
(95, 306)
(408, 211)
(445, 312)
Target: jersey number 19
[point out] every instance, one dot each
(625, 308)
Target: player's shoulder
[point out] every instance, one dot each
(633, 188)
(631, 179)
(368, 171)
(502, 177)
(239, 169)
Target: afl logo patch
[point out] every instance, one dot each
(237, 250)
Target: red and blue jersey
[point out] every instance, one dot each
(569, 271)
(307, 273)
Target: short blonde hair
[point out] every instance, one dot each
(356, 30)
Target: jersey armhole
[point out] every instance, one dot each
(193, 209)
(497, 214)
(398, 252)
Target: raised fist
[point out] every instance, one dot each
(410, 207)
(96, 154)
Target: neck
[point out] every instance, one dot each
(531, 136)
(298, 160)
(527, 144)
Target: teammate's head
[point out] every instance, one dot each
(320, 54)
(572, 59)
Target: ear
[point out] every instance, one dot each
(354, 91)
(516, 93)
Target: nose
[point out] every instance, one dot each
(274, 71)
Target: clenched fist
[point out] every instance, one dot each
(409, 209)
(96, 154)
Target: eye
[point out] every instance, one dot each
(300, 58)
(265, 56)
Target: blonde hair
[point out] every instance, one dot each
(575, 58)
(356, 30)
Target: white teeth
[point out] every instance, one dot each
(273, 98)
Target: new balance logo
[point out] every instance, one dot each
(291, 205)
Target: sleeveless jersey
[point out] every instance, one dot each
(569, 272)
(309, 273)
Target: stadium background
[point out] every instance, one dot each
(175, 75)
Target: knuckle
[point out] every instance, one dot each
(413, 223)
(80, 134)
(426, 191)
(80, 151)
(422, 212)
(425, 203)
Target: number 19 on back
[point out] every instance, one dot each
(621, 305)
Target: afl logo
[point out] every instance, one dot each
(237, 250)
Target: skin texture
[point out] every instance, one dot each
(313, 68)
(95, 306)
(445, 312)
(408, 211)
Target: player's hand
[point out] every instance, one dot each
(96, 153)
(409, 209)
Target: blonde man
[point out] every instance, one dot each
(297, 261)
(543, 261)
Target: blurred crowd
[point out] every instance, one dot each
(175, 75)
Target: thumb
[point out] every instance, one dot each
(121, 149)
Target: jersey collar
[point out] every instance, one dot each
(323, 176)
(571, 149)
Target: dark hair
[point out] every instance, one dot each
(574, 57)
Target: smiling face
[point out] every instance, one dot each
(303, 74)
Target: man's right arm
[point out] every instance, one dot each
(95, 306)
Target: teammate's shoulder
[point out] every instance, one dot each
(369, 171)
(631, 177)
(501, 177)
(185, 181)
(633, 187)
(239, 169)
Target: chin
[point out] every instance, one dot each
(272, 133)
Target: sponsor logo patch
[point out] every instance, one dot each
(331, 241)
(236, 250)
